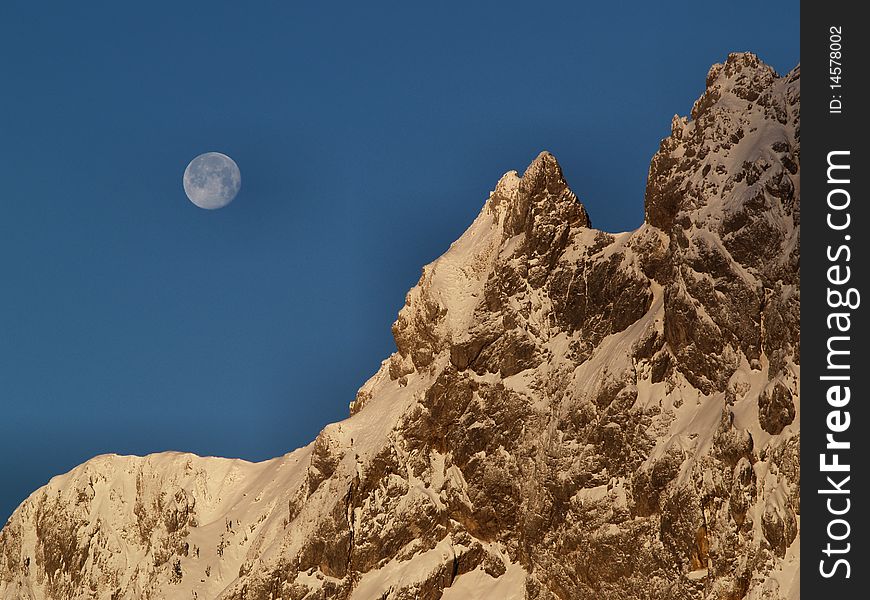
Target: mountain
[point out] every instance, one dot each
(570, 414)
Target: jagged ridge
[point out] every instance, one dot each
(570, 413)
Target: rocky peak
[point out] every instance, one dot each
(541, 194)
(692, 176)
(524, 226)
(742, 74)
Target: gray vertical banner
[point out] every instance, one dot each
(835, 422)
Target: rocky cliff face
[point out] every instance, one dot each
(571, 414)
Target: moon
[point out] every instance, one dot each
(212, 180)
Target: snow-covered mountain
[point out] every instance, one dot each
(571, 414)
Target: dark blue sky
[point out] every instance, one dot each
(368, 138)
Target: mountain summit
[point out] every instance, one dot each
(570, 414)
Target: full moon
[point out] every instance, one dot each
(212, 180)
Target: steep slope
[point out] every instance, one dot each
(570, 413)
